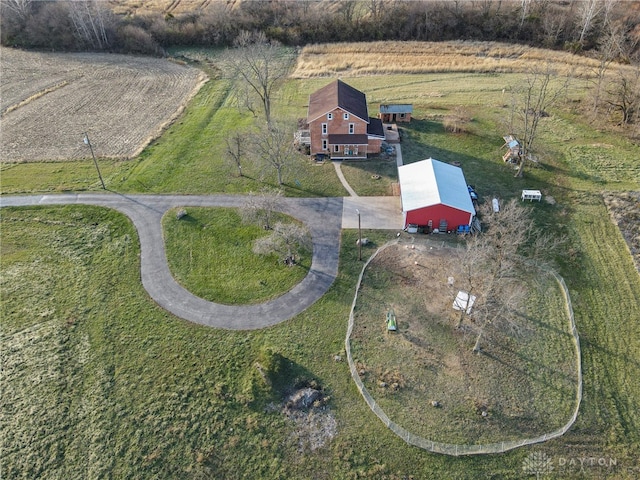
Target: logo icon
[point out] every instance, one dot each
(537, 463)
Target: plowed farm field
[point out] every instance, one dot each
(49, 100)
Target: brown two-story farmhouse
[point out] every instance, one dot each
(339, 123)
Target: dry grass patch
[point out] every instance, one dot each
(128, 7)
(122, 101)
(624, 208)
(432, 57)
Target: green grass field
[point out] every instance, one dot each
(210, 253)
(98, 381)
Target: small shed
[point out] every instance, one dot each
(434, 194)
(392, 113)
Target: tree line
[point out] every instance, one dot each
(575, 25)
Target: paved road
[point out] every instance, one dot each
(323, 217)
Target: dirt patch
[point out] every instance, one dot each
(624, 208)
(122, 101)
(314, 424)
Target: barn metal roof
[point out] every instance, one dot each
(431, 182)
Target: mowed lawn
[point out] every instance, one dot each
(210, 253)
(93, 369)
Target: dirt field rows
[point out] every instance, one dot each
(49, 100)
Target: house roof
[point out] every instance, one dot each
(431, 182)
(396, 108)
(348, 139)
(511, 141)
(337, 95)
(375, 128)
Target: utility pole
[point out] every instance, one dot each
(88, 142)
(359, 237)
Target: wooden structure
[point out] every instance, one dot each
(339, 124)
(392, 113)
(514, 149)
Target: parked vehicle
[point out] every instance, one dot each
(472, 193)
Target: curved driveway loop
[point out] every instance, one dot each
(321, 215)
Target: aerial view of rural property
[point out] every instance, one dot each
(319, 239)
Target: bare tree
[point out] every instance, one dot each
(610, 47)
(588, 11)
(376, 8)
(540, 91)
(261, 207)
(235, 151)
(244, 99)
(20, 8)
(286, 239)
(347, 9)
(498, 309)
(468, 270)
(624, 95)
(14, 15)
(89, 18)
(261, 64)
(525, 5)
(554, 24)
(490, 268)
(608, 7)
(274, 147)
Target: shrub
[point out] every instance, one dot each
(134, 39)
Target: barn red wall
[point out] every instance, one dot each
(435, 213)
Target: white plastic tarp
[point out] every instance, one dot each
(464, 302)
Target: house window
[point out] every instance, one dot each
(324, 129)
(402, 115)
(346, 116)
(324, 144)
(336, 148)
(329, 116)
(352, 128)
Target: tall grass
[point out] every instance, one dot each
(20, 178)
(369, 58)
